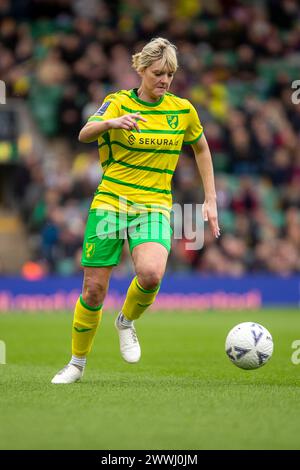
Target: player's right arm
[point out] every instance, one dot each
(92, 130)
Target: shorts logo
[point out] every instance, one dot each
(90, 249)
(172, 121)
(102, 108)
(131, 139)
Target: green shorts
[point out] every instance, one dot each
(106, 232)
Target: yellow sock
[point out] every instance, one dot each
(137, 300)
(85, 323)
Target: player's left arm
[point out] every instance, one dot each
(205, 167)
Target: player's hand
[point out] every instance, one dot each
(210, 215)
(128, 122)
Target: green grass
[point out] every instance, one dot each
(184, 394)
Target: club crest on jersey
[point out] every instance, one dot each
(102, 108)
(172, 120)
(90, 249)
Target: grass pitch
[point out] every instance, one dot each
(184, 393)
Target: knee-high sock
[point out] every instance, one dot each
(85, 323)
(137, 300)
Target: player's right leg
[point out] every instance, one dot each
(87, 317)
(100, 254)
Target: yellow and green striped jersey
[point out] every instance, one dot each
(138, 167)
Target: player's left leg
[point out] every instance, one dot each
(150, 261)
(149, 237)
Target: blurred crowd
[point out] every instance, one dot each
(238, 60)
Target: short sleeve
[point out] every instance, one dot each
(109, 109)
(194, 129)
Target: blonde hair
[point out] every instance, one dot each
(156, 49)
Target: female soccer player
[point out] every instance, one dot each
(140, 133)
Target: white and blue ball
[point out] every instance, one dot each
(249, 345)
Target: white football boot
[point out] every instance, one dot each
(68, 375)
(129, 344)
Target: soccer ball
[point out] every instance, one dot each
(249, 345)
